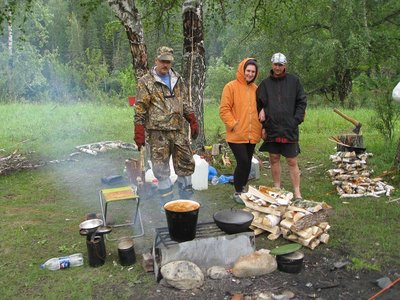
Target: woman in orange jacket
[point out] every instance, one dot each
(238, 111)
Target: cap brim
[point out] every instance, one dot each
(166, 57)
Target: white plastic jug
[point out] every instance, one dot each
(200, 175)
(150, 175)
(255, 169)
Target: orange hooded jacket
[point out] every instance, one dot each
(238, 109)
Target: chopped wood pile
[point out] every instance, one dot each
(16, 162)
(301, 221)
(95, 148)
(352, 178)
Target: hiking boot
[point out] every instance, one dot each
(237, 199)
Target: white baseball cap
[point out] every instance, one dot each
(279, 58)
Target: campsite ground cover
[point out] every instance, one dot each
(41, 209)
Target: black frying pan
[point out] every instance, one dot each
(233, 220)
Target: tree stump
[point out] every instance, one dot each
(353, 141)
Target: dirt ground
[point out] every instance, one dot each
(319, 279)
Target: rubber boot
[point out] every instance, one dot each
(185, 187)
(166, 195)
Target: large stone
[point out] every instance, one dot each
(183, 275)
(257, 263)
(217, 272)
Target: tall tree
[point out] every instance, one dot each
(10, 51)
(126, 11)
(194, 60)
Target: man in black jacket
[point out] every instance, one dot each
(281, 103)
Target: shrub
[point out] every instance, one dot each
(218, 74)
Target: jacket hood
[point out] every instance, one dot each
(240, 71)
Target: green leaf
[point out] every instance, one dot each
(285, 249)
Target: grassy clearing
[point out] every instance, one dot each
(40, 210)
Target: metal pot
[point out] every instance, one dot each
(290, 263)
(89, 227)
(233, 220)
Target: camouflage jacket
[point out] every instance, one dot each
(158, 108)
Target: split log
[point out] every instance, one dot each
(311, 219)
(267, 210)
(314, 244)
(261, 195)
(324, 238)
(271, 220)
(257, 231)
(273, 237)
(298, 216)
(316, 231)
(274, 230)
(306, 242)
(323, 225)
(287, 224)
(305, 233)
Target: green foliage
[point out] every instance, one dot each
(387, 112)
(19, 79)
(329, 44)
(358, 264)
(218, 74)
(94, 70)
(127, 80)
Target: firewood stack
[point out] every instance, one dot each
(351, 176)
(301, 221)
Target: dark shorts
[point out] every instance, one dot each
(286, 149)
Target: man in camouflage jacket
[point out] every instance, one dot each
(161, 110)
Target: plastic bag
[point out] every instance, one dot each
(396, 93)
(225, 179)
(211, 172)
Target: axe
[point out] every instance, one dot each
(357, 124)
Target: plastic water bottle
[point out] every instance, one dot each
(215, 180)
(65, 262)
(255, 169)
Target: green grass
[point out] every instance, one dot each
(40, 209)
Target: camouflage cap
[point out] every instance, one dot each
(165, 53)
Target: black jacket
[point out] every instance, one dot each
(284, 103)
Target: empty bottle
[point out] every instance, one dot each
(215, 180)
(65, 262)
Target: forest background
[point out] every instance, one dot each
(345, 52)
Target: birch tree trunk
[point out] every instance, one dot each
(10, 54)
(126, 11)
(193, 70)
(397, 158)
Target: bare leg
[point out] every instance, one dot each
(275, 161)
(294, 175)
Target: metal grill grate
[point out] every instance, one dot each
(203, 230)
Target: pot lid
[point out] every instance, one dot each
(233, 216)
(104, 230)
(293, 256)
(285, 249)
(91, 224)
(125, 243)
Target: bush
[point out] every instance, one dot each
(218, 74)
(387, 112)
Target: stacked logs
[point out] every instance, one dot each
(351, 176)
(301, 221)
(305, 222)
